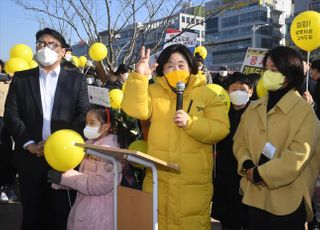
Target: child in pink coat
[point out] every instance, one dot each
(93, 208)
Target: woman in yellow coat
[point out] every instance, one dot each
(184, 136)
(275, 148)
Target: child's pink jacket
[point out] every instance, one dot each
(93, 208)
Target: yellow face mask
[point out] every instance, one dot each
(175, 76)
(273, 81)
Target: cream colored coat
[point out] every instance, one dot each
(293, 128)
(184, 199)
(4, 87)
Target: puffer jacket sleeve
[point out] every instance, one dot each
(213, 126)
(136, 100)
(99, 183)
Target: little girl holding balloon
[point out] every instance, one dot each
(93, 208)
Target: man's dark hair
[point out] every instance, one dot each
(68, 47)
(122, 68)
(289, 63)
(198, 57)
(176, 48)
(53, 33)
(315, 64)
(2, 65)
(237, 77)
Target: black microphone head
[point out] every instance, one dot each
(180, 87)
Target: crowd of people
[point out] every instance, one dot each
(254, 166)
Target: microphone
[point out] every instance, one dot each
(180, 89)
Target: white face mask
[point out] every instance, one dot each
(47, 56)
(239, 97)
(68, 57)
(223, 73)
(91, 133)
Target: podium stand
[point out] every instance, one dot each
(132, 196)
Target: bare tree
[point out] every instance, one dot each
(85, 19)
(107, 21)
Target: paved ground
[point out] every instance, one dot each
(10, 217)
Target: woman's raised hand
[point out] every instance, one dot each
(142, 67)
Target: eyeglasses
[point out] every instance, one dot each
(50, 45)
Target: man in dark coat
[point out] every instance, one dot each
(41, 101)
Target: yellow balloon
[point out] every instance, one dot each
(15, 64)
(75, 61)
(261, 91)
(115, 97)
(305, 30)
(60, 151)
(139, 145)
(98, 51)
(202, 51)
(21, 51)
(82, 61)
(33, 64)
(222, 93)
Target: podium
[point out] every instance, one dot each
(126, 199)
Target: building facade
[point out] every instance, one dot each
(152, 34)
(233, 26)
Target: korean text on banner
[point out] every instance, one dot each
(252, 62)
(99, 96)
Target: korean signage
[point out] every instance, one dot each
(98, 96)
(188, 39)
(252, 62)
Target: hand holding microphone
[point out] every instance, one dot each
(181, 117)
(180, 89)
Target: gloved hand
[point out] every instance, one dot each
(54, 176)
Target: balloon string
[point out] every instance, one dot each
(308, 71)
(86, 70)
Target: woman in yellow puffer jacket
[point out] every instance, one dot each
(184, 136)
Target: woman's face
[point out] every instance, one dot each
(176, 62)
(314, 73)
(270, 65)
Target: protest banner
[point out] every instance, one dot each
(188, 39)
(252, 62)
(98, 96)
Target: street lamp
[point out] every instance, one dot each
(254, 29)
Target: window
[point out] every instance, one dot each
(230, 21)
(188, 20)
(223, 58)
(183, 19)
(315, 6)
(266, 43)
(212, 24)
(258, 15)
(232, 45)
